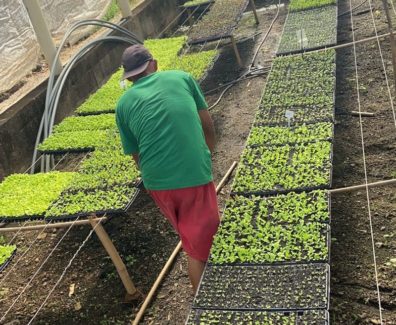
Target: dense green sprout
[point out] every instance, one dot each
(309, 29)
(168, 52)
(6, 252)
(296, 5)
(281, 169)
(194, 3)
(86, 123)
(91, 201)
(24, 195)
(74, 141)
(278, 135)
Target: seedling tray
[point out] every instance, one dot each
(213, 16)
(267, 288)
(64, 151)
(282, 209)
(98, 112)
(208, 316)
(204, 3)
(268, 171)
(253, 242)
(8, 261)
(99, 212)
(24, 218)
(316, 23)
(283, 135)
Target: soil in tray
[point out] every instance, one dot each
(280, 169)
(264, 287)
(309, 317)
(309, 29)
(251, 239)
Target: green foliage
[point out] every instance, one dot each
(23, 195)
(91, 201)
(111, 11)
(219, 21)
(278, 135)
(290, 208)
(296, 5)
(318, 25)
(6, 252)
(104, 168)
(74, 141)
(167, 52)
(86, 123)
(194, 3)
(274, 169)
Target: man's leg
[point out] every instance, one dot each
(195, 270)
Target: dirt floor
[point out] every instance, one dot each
(353, 285)
(145, 240)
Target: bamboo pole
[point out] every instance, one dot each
(132, 292)
(52, 225)
(124, 8)
(235, 47)
(367, 114)
(253, 5)
(172, 257)
(363, 186)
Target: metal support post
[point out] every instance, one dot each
(124, 7)
(190, 17)
(254, 11)
(392, 39)
(235, 47)
(132, 292)
(43, 34)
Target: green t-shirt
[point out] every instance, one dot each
(158, 119)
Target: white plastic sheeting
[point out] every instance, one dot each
(19, 50)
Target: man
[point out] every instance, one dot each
(164, 124)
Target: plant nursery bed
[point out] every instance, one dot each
(27, 197)
(277, 170)
(296, 5)
(281, 135)
(309, 30)
(290, 208)
(7, 253)
(86, 123)
(251, 241)
(306, 80)
(219, 22)
(229, 317)
(72, 205)
(270, 288)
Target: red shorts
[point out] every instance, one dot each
(194, 214)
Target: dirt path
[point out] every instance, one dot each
(354, 299)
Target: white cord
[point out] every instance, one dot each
(365, 170)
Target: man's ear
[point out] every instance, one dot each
(155, 65)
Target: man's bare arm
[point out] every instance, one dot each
(136, 159)
(208, 128)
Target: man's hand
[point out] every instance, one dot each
(208, 128)
(136, 159)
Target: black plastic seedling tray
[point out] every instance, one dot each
(208, 317)
(98, 112)
(64, 151)
(24, 218)
(312, 48)
(267, 288)
(227, 33)
(109, 212)
(8, 261)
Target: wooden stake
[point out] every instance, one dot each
(368, 114)
(52, 225)
(172, 257)
(132, 292)
(363, 186)
(392, 39)
(254, 11)
(234, 45)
